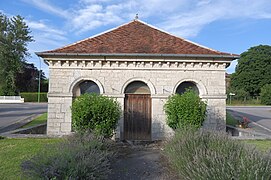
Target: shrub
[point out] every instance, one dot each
(266, 94)
(82, 156)
(198, 154)
(185, 109)
(96, 113)
(33, 97)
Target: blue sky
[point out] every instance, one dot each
(225, 25)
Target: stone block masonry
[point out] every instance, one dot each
(132, 52)
(113, 75)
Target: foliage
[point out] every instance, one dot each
(95, 112)
(185, 109)
(27, 80)
(241, 94)
(82, 156)
(14, 37)
(33, 97)
(38, 120)
(230, 120)
(198, 154)
(14, 151)
(266, 94)
(253, 70)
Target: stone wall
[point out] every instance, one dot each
(112, 77)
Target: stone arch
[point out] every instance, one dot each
(148, 83)
(137, 87)
(200, 86)
(78, 81)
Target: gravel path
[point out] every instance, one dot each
(140, 162)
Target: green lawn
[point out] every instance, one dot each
(39, 120)
(14, 151)
(263, 145)
(230, 120)
(251, 102)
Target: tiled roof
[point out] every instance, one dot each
(136, 37)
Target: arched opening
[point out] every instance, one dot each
(137, 111)
(86, 87)
(184, 86)
(137, 87)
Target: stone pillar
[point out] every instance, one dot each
(59, 114)
(216, 113)
(120, 125)
(160, 130)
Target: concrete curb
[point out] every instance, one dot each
(19, 123)
(247, 133)
(239, 117)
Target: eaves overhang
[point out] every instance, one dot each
(142, 55)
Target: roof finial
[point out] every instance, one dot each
(136, 16)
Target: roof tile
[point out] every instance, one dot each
(133, 38)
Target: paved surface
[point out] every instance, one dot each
(259, 115)
(14, 113)
(140, 162)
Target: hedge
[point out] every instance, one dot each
(33, 96)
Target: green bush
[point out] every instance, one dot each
(198, 154)
(185, 109)
(266, 94)
(82, 156)
(33, 97)
(96, 113)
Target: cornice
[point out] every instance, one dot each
(136, 64)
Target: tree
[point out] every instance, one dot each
(28, 79)
(266, 94)
(253, 70)
(241, 94)
(14, 37)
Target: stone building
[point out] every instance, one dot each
(140, 66)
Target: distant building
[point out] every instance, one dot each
(140, 66)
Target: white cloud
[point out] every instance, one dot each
(189, 23)
(47, 7)
(45, 36)
(231, 68)
(182, 17)
(185, 18)
(41, 26)
(93, 1)
(93, 16)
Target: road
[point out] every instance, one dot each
(258, 114)
(12, 113)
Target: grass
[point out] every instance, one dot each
(263, 145)
(14, 151)
(38, 120)
(251, 102)
(230, 120)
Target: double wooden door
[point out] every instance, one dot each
(137, 117)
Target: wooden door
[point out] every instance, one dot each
(137, 117)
